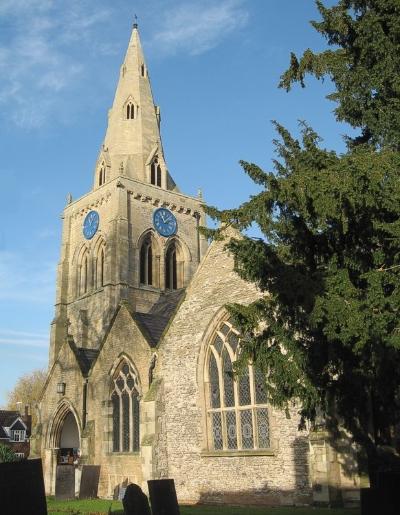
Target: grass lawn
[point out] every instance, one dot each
(100, 507)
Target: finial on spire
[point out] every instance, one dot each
(135, 23)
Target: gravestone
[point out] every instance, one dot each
(22, 488)
(163, 497)
(135, 502)
(65, 482)
(89, 481)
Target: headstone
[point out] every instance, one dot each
(121, 493)
(135, 502)
(22, 488)
(89, 481)
(163, 497)
(65, 482)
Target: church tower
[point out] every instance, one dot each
(134, 237)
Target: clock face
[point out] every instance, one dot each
(90, 224)
(164, 222)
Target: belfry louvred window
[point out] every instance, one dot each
(237, 409)
(125, 410)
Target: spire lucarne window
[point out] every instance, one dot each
(125, 409)
(237, 410)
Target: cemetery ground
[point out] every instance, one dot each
(100, 507)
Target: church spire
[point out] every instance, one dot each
(132, 142)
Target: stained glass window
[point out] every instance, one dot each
(237, 404)
(125, 404)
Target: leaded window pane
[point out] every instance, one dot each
(225, 329)
(216, 422)
(244, 388)
(218, 344)
(246, 427)
(130, 382)
(125, 369)
(260, 388)
(263, 428)
(229, 396)
(120, 383)
(135, 421)
(116, 421)
(214, 382)
(233, 341)
(231, 431)
(125, 422)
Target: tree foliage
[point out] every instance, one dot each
(364, 66)
(327, 329)
(27, 391)
(7, 455)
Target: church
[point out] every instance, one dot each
(141, 350)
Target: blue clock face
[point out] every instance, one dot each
(164, 222)
(91, 224)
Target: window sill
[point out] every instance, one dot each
(234, 453)
(123, 454)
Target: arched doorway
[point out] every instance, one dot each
(69, 440)
(63, 443)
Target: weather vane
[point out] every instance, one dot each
(135, 22)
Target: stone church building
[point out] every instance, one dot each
(142, 348)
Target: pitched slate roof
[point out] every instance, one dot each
(153, 326)
(85, 358)
(7, 419)
(155, 322)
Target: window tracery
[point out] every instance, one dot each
(125, 409)
(237, 409)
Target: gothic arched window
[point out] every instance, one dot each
(125, 409)
(237, 409)
(155, 172)
(171, 269)
(146, 262)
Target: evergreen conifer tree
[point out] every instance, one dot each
(327, 329)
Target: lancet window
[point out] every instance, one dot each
(171, 267)
(125, 409)
(99, 266)
(146, 262)
(237, 408)
(155, 172)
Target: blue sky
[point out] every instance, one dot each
(214, 67)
